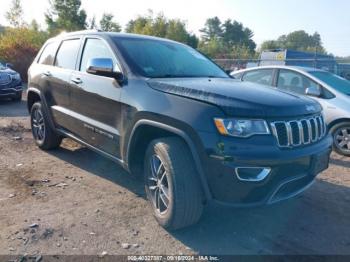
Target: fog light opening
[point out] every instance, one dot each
(252, 174)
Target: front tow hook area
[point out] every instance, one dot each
(252, 174)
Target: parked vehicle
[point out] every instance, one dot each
(287, 57)
(10, 83)
(161, 108)
(330, 90)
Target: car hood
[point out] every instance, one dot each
(7, 71)
(237, 98)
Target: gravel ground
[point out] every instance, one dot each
(72, 201)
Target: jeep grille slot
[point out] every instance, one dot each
(299, 132)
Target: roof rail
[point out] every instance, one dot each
(83, 31)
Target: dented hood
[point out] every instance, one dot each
(237, 98)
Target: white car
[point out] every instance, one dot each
(330, 90)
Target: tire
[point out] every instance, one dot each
(341, 138)
(180, 182)
(45, 137)
(17, 97)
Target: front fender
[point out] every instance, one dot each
(190, 139)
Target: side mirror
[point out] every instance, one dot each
(9, 65)
(103, 67)
(313, 91)
(228, 71)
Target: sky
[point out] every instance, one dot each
(267, 18)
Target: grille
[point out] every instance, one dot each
(5, 79)
(299, 132)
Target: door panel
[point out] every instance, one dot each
(59, 77)
(56, 82)
(95, 101)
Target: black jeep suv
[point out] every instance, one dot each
(160, 107)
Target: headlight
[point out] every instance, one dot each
(241, 128)
(16, 76)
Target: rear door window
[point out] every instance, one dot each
(48, 55)
(263, 76)
(67, 54)
(294, 82)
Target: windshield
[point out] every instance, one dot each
(338, 83)
(2, 66)
(162, 59)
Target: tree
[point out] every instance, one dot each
(19, 46)
(107, 24)
(297, 40)
(212, 29)
(2, 29)
(223, 40)
(161, 26)
(235, 34)
(214, 48)
(15, 15)
(92, 23)
(34, 25)
(65, 15)
(270, 45)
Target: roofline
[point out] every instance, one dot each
(293, 68)
(110, 34)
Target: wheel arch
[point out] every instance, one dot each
(151, 130)
(338, 121)
(34, 95)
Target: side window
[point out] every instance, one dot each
(94, 48)
(326, 94)
(67, 54)
(47, 57)
(294, 82)
(263, 76)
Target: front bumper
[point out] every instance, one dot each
(11, 90)
(291, 171)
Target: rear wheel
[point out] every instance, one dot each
(172, 184)
(341, 138)
(44, 136)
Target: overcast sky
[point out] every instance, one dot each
(267, 18)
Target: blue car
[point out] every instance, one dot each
(10, 83)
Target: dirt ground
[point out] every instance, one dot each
(72, 201)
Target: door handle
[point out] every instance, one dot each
(47, 73)
(77, 80)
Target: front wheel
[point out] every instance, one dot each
(341, 138)
(44, 136)
(172, 184)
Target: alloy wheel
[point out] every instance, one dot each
(158, 186)
(38, 125)
(342, 139)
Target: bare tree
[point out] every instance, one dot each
(15, 15)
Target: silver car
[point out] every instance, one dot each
(330, 90)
